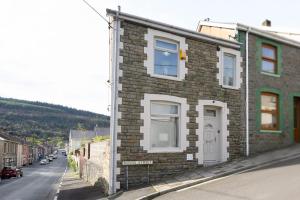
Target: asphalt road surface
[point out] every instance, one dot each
(276, 182)
(40, 182)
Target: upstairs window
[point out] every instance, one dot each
(229, 69)
(166, 58)
(269, 59)
(269, 111)
(164, 124)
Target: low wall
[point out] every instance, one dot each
(95, 170)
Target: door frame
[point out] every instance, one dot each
(296, 121)
(224, 122)
(291, 114)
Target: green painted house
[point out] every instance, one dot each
(272, 88)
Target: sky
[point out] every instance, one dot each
(56, 51)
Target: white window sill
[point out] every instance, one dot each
(270, 131)
(165, 150)
(270, 74)
(230, 87)
(166, 77)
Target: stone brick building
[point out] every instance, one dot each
(177, 100)
(273, 88)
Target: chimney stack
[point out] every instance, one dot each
(267, 23)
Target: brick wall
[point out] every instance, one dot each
(287, 83)
(96, 169)
(199, 83)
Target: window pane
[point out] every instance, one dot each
(165, 63)
(166, 45)
(269, 102)
(268, 66)
(268, 121)
(229, 69)
(164, 133)
(210, 113)
(268, 52)
(157, 108)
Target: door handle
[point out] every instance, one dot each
(215, 139)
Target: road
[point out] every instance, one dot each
(276, 182)
(40, 182)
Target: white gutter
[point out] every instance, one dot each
(175, 29)
(247, 92)
(256, 31)
(114, 97)
(268, 35)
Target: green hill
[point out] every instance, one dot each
(44, 120)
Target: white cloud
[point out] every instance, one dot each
(57, 50)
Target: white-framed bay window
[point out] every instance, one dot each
(163, 55)
(165, 119)
(230, 68)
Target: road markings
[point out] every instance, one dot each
(206, 182)
(240, 172)
(60, 184)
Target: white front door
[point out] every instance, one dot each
(211, 136)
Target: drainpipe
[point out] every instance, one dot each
(247, 92)
(114, 97)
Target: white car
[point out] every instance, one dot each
(44, 162)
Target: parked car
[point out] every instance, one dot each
(50, 159)
(8, 172)
(44, 162)
(47, 158)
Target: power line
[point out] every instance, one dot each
(98, 14)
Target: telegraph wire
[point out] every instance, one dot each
(109, 25)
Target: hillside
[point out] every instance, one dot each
(26, 118)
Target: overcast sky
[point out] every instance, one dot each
(56, 51)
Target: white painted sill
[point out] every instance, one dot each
(166, 77)
(165, 150)
(230, 87)
(269, 74)
(270, 131)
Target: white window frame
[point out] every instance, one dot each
(182, 122)
(238, 67)
(167, 50)
(151, 37)
(163, 116)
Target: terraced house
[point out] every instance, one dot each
(272, 81)
(177, 100)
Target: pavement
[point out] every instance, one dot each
(205, 174)
(277, 181)
(39, 182)
(73, 188)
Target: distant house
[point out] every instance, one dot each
(78, 137)
(25, 154)
(8, 150)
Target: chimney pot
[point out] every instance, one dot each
(267, 23)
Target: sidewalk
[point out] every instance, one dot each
(209, 173)
(74, 188)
